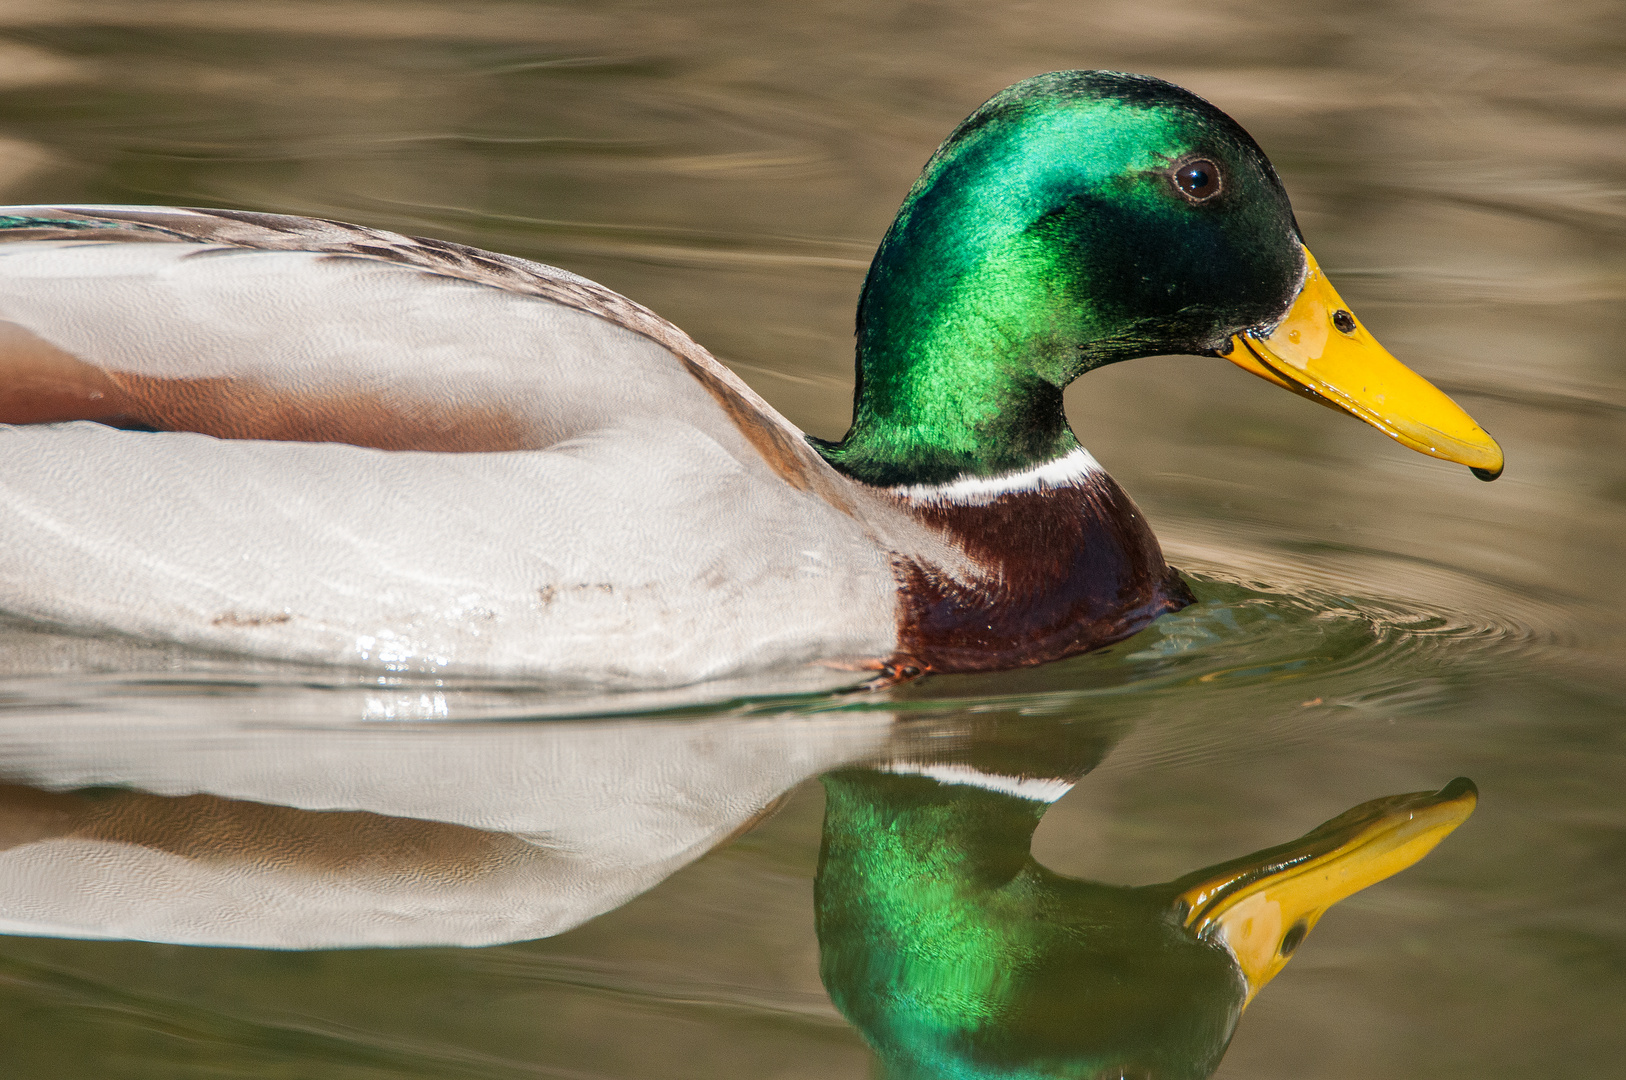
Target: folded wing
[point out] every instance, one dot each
(577, 488)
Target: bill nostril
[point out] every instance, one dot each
(1291, 939)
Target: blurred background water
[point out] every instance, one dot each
(1373, 621)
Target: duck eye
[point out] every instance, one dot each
(1198, 180)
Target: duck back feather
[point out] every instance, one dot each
(363, 448)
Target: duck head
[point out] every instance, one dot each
(960, 957)
(1077, 219)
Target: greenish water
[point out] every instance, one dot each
(1372, 622)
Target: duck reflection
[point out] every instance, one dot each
(942, 940)
(379, 835)
(958, 956)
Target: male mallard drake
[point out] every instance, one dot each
(324, 442)
(960, 957)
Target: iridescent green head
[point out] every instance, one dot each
(1076, 219)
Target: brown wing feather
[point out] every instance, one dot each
(42, 384)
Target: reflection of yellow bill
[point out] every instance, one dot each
(1321, 351)
(1262, 905)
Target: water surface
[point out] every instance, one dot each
(1372, 621)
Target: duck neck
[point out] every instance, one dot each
(972, 321)
(908, 868)
(958, 379)
(930, 839)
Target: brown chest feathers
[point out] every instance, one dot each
(1059, 571)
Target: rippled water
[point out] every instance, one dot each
(1371, 621)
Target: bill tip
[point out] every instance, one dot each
(1459, 787)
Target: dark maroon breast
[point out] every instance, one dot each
(1061, 571)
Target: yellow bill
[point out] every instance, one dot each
(1321, 351)
(1261, 906)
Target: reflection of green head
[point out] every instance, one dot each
(958, 956)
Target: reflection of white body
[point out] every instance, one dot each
(467, 834)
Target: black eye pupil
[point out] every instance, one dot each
(1344, 321)
(1198, 180)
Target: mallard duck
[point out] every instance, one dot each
(158, 826)
(959, 956)
(315, 441)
